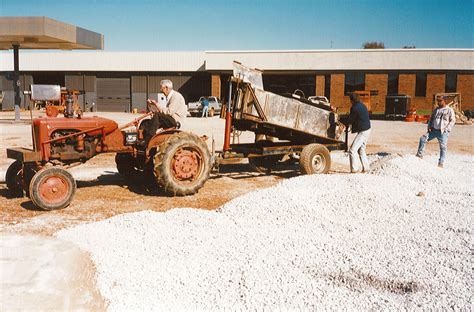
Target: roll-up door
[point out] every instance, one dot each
(113, 94)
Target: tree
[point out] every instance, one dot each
(373, 45)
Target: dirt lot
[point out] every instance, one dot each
(102, 193)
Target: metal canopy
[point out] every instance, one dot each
(42, 33)
(46, 33)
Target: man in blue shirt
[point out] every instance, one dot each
(205, 107)
(360, 121)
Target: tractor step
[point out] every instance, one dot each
(23, 154)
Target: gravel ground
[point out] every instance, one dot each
(398, 238)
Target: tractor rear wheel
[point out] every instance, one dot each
(315, 158)
(52, 188)
(14, 177)
(182, 164)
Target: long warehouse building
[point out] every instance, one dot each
(122, 81)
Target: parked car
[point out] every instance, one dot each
(319, 99)
(195, 108)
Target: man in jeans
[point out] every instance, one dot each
(205, 107)
(441, 123)
(359, 119)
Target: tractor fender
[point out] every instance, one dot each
(159, 138)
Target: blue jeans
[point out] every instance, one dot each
(357, 152)
(443, 143)
(205, 110)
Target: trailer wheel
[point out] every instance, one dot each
(264, 164)
(13, 178)
(52, 188)
(182, 164)
(315, 158)
(126, 167)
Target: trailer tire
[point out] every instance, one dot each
(52, 188)
(182, 164)
(315, 159)
(13, 178)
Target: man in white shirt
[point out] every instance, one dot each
(440, 125)
(171, 116)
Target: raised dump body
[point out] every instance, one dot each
(286, 117)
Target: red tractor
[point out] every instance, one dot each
(177, 162)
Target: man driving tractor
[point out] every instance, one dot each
(171, 116)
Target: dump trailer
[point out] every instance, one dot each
(284, 126)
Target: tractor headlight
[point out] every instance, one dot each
(130, 138)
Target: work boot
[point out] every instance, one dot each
(440, 165)
(419, 156)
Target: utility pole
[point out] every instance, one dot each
(16, 80)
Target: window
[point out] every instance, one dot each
(420, 87)
(392, 86)
(451, 82)
(327, 86)
(281, 84)
(354, 81)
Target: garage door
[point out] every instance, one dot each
(113, 94)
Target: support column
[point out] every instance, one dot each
(216, 86)
(320, 80)
(16, 80)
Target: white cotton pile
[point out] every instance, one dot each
(398, 238)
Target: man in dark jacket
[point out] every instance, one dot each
(359, 119)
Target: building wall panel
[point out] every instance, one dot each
(465, 85)
(320, 81)
(378, 83)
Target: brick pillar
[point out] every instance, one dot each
(337, 93)
(435, 83)
(464, 86)
(407, 86)
(216, 86)
(320, 80)
(377, 82)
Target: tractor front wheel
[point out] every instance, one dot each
(14, 177)
(182, 164)
(126, 166)
(52, 188)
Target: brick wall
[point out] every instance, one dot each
(407, 86)
(337, 93)
(435, 83)
(465, 85)
(377, 82)
(216, 86)
(320, 80)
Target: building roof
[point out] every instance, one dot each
(46, 33)
(218, 61)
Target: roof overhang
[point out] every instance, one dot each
(46, 33)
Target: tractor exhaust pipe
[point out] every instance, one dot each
(69, 111)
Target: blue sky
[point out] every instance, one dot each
(192, 25)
